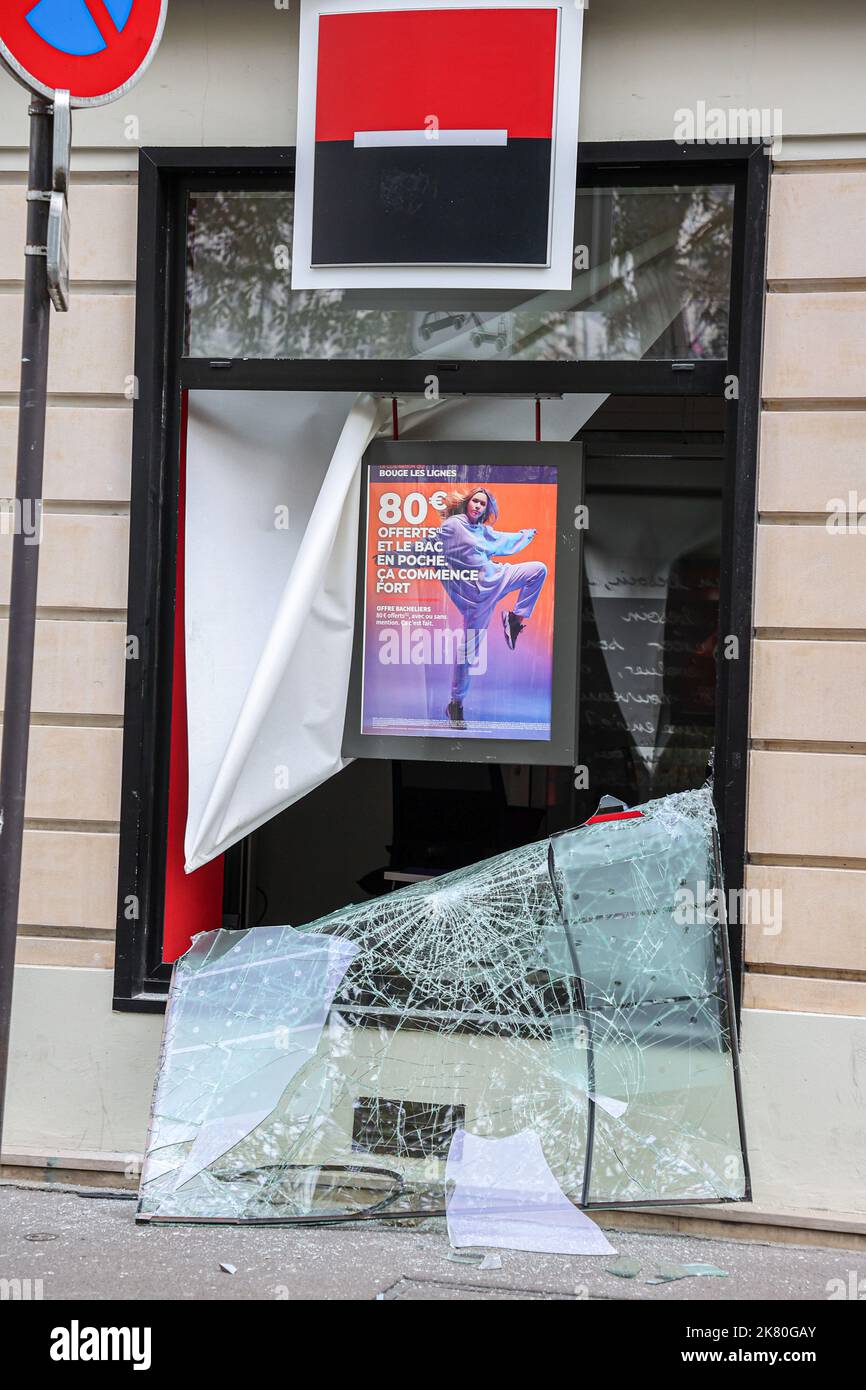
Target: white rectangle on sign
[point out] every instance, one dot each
(387, 139)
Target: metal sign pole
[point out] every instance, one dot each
(27, 526)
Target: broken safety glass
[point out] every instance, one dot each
(574, 993)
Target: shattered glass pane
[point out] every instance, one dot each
(641, 898)
(576, 989)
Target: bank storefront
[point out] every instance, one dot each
(701, 642)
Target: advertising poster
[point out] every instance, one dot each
(459, 582)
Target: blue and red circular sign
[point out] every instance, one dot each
(94, 49)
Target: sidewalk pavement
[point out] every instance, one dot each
(84, 1247)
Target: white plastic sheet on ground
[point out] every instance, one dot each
(505, 1195)
(272, 511)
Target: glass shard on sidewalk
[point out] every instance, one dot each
(577, 989)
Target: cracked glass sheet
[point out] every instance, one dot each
(322, 1074)
(641, 929)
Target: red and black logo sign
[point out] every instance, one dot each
(434, 134)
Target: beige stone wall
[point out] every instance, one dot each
(807, 795)
(73, 796)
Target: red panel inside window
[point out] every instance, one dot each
(193, 902)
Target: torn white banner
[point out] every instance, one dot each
(271, 549)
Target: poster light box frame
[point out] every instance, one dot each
(561, 748)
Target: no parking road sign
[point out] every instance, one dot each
(94, 49)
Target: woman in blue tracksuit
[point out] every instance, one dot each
(470, 543)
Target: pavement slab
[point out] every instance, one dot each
(90, 1247)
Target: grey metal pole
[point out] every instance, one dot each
(27, 524)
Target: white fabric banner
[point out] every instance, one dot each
(272, 515)
(270, 601)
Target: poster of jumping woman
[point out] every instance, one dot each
(466, 550)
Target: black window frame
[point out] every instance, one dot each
(162, 374)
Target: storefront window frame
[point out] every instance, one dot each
(162, 375)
